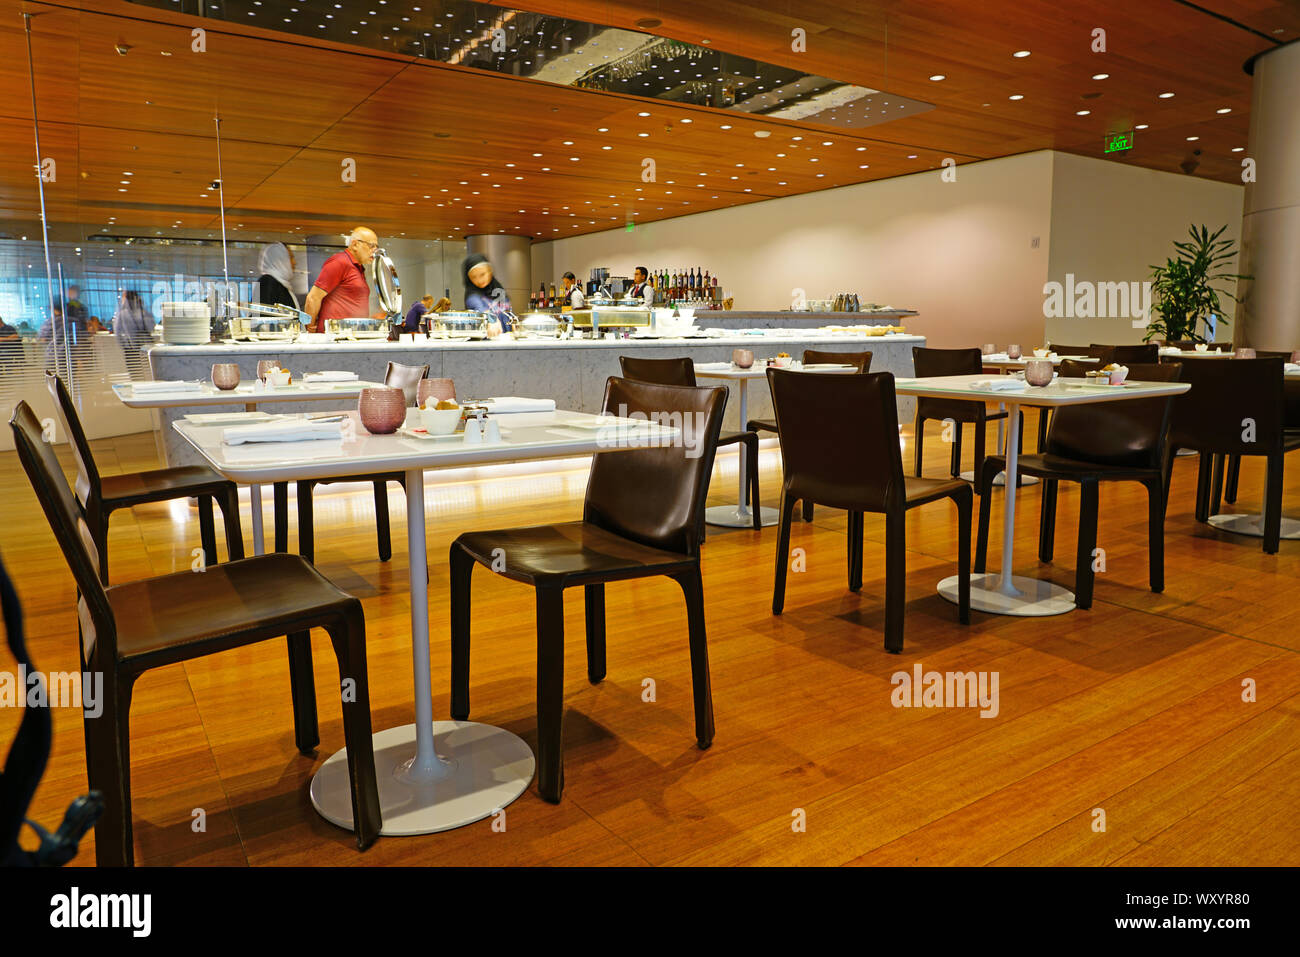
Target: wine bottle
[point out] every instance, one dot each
(552, 297)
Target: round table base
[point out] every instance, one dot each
(737, 516)
(1037, 597)
(1253, 525)
(488, 768)
(1001, 478)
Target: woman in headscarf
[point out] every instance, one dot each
(483, 293)
(133, 326)
(276, 284)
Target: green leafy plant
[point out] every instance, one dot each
(1182, 290)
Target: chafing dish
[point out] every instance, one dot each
(461, 325)
(540, 325)
(357, 328)
(613, 317)
(265, 328)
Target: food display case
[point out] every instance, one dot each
(541, 325)
(264, 328)
(601, 318)
(461, 325)
(357, 329)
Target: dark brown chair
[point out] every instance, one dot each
(1290, 422)
(944, 362)
(814, 357)
(1144, 352)
(1211, 419)
(643, 516)
(1097, 352)
(851, 460)
(1100, 353)
(682, 372)
(132, 628)
(1191, 344)
(101, 495)
(1090, 444)
(406, 378)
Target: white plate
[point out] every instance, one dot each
(1099, 385)
(422, 434)
(229, 418)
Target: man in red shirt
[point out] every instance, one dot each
(341, 290)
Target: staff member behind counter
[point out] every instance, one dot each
(341, 290)
(641, 288)
(572, 295)
(483, 293)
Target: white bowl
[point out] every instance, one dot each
(686, 313)
(277, 378)
(440, 421)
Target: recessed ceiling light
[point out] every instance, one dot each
(826, 142)
(725, 126)
(1238, 149)
(796, 138)
(1021, 53)
(537, 154)
(1192, 139)
(643, 134)
(1101, 76)
(937, 77)
(568, 142)
(1141, 126)
(1016, 96)
(602, 129)
(762, 134)
(1226, 109)
(1165, 96)
(687, 119)
(1082, 112)
(643, 113)
(911, 156)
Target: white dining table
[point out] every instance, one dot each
(1005, 593)
(250, 395)
(433, 775)
(739, 516)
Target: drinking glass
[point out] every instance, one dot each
(1013, 351)
(436, 389)
(743, 358)
(1038, 372)
(988, 349)
(264, 366)
(382, 409)
(225, 375)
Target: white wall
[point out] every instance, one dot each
(959, 252)
(1111, 222)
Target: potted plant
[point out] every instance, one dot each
(1183, 293)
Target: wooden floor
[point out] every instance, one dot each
(1133, 707)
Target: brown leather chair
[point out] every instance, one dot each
(1100, 353)
(132, 628)
(1097, 352)
(1210, 417)
(681, 371)
(1090, 444)
(1145, 352)
(851, 460)
(944, 362)
(406, 378)
(1290, 422)
(100, 496)
(643, 516)
(815, 357)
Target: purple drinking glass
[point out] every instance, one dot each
(225, 375)
(382, 409)
(1038, 372)
(264, 366)
(436, 389)
(1013, 351)
(743, 358)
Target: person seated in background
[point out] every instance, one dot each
(7, 332)
(416, 313)
(484, 293)
(94, 325)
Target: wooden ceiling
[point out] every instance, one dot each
(442, 151)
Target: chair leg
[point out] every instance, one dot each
(280, 493)
(348, 637)
(109, 772)
(954, 466)
(751, 454)
(693, 589)
(595, 602)
(381, 520)
(1047, 521)
(984, 487)
(207, 530)
(462, 568)
(1204, 466)
(919, 429)
(1156, 533)
(306, 521)
(1273, 503)
(895, 579)
(1230, 485)
(1083, 574)
(1170, 454)
(981, 427)
(807, 510)
(1044, 416)
(782, 552)
(964, 500)
(550, 694)
(1216, 486)
(302, 687)
(856, 527)
(234, 531)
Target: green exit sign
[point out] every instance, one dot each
(1119, 141)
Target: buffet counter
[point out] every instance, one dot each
(570, 371)
(736, 319)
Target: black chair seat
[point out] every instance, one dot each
(567, 554)
(918, 491)
(158, 619)
(1049, 466)
(160, 485)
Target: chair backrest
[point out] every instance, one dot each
(1097, 352)
(1128, 433)
(98, 631)
(1141, 352)
(87, 485)
(1189, 345)
(1231, 400)
(406, 378)
(936, 362)
(860, 359)
(660, 371)
(655, 495)
(839, 437)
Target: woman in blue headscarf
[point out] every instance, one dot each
(483, 293)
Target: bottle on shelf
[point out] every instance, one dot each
(551, 297)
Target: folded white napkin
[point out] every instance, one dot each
(713, 366)
(286, 430)
(330, 376)
(512, 403)
(166, 386)
(1291, 367)
(996, 357)
(1000, 384)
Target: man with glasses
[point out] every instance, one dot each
(341, 290)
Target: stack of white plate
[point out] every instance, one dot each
(186, 323)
